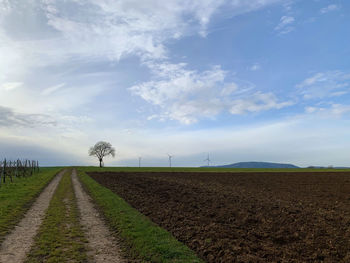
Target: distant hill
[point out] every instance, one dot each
(256, 165)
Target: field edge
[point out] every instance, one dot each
(144, 240)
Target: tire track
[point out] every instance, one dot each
(18, 243)
(103, 246)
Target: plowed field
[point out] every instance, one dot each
(246, 217)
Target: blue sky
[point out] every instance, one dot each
(257, 80)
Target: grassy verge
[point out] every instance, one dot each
(17, 197)
(60, 237)
(145, 240)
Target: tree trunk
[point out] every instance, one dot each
(100, 162)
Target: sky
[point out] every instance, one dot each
(240, 80)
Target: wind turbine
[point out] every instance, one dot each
(170, 156)
(140, 161)
(208, 160)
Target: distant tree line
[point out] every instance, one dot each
(18, 168)
(321, 167)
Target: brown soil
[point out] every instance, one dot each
(246, 217)
(102, 245)
(19, 242)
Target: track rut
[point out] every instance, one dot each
(18, 243)
(102, 244)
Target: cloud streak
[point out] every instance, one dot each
(55, 32)
(333, 111)
(325, 84)
(9, 118)
(329, 8)
(285, 25)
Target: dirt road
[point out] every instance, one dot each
(103, 246)
(18, 243)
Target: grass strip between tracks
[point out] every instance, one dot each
(17, 197)
(144, 239)
(60, 237)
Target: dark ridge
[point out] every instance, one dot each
(256, 165)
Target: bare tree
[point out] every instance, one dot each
(102, 149)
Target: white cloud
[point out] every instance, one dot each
(51, 42)
(175, 82)
(285, 25)
(255, 67)
(54, 35)
(288, 5)
(11, 85)
(228, 89)
(257, 102)
(325, 84)
(333, 111)
(330, 8)
(114, 29)
(188, 95)
(339, 109)
(50, 90)
(54, 31)
(42, 100)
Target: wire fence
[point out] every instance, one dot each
(19, 168)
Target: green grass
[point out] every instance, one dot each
(144, 240)
(17, 197)
(60, 237)
(202, 169)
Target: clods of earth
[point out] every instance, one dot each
(245, 217)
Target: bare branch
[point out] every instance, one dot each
(102, 149)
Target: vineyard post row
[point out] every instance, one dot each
(10, 169)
